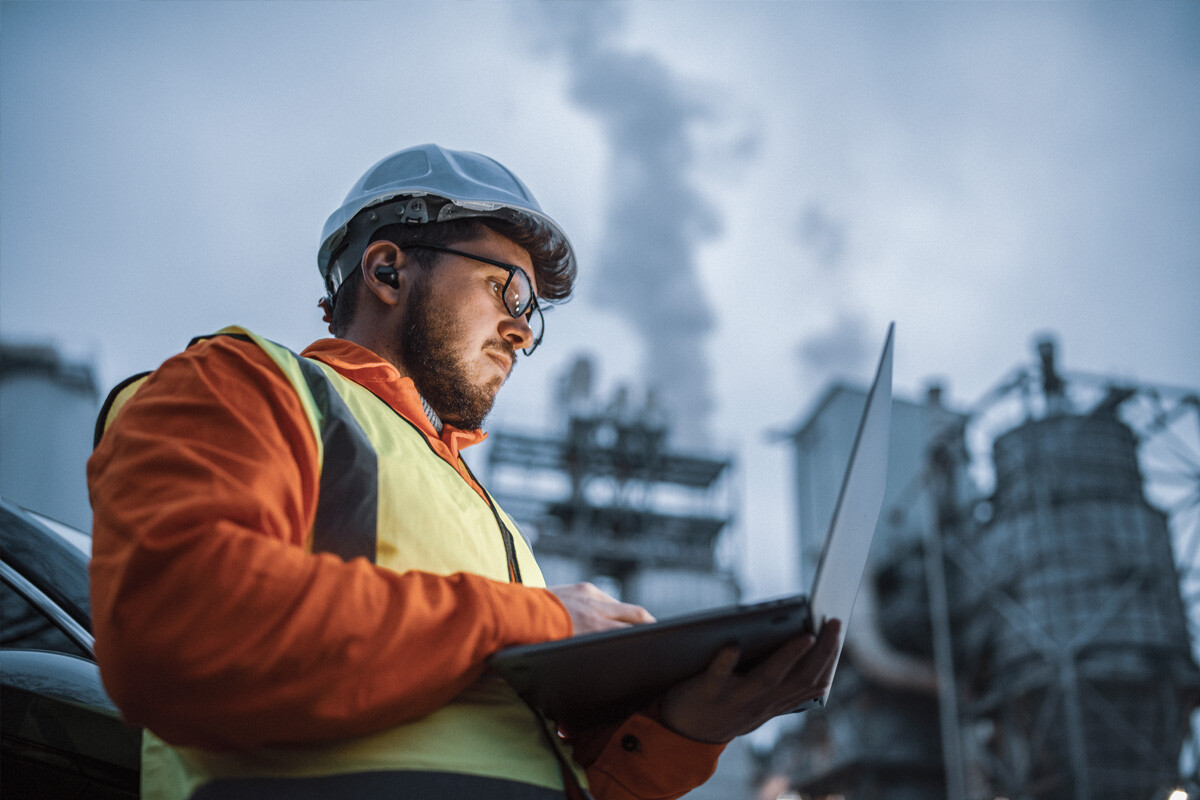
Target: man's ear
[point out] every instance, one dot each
(384, 271)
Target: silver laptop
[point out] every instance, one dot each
(604, 677)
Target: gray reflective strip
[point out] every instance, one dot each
(346, 523)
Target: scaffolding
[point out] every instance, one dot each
(606, 499)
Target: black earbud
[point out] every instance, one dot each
(388, 275)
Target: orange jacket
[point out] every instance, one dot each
(216, 628)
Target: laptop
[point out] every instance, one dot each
(600, 678)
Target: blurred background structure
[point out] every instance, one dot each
(609, 499)
(48, 405)
(1029, 628)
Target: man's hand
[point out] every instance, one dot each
(592, 610)
(717, 705)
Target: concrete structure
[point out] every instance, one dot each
(48, 411)
(822, 448)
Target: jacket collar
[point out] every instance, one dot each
(362, 366)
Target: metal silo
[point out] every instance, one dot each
(1044, 557)
(1080, 652)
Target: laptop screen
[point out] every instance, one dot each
(848, 543)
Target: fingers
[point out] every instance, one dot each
(592, 610)
(625, 612)
(724, 663)
(720, 703)
(811, 675)
(831, 630)
(799, 670)
(783, 661)
(824, 653)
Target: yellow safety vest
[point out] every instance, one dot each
(422, 515)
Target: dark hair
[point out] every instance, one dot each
(553, 268)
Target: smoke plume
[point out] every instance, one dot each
(655, 218)
(844, 347)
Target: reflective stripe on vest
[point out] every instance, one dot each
(425, 516)
(347, 502)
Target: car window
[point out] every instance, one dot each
(27, 628)
(54, 566)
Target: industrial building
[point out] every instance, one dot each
(1023, 631)
(606, 498)
(50, 404)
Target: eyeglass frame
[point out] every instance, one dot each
(512, 270)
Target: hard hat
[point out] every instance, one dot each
(422, 184)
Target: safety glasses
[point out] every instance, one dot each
(518, 294)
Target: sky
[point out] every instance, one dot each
(754, 190)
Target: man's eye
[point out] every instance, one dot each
(497, 287)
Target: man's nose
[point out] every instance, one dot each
(517, 331)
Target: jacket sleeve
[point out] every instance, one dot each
(215, 627)
(642, 760)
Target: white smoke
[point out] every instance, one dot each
(844, 348)
(654, 122)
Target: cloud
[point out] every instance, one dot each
(844, 348)
(824, 235)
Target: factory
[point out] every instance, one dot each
(1024, 629)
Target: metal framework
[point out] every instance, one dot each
(1093, 706)
(1054, 585)
(608, 494)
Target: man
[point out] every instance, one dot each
(296, 579)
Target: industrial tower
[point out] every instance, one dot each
(1050, 586)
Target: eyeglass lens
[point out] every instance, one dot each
(518, 299)
(517, 293)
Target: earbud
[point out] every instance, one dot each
(388, 275)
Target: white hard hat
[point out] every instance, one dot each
(423, 184)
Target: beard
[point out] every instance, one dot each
(432, 349)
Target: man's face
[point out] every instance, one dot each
(459, 342)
